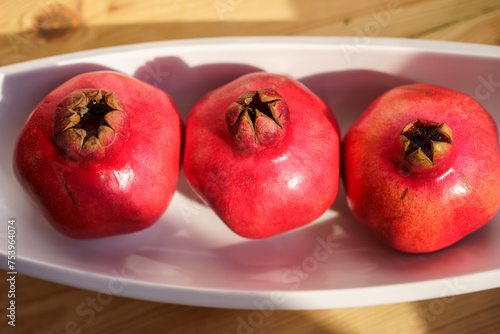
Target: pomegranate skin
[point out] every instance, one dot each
(122, 192)
(264, 191)
(424, 209)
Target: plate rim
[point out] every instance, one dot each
(427, 45)
(239, 299)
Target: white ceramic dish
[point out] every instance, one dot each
(189, 256)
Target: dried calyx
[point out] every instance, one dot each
(257, 119)
(425, 143)
(90, 123)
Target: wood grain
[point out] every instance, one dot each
(45, 307)
(32, 29)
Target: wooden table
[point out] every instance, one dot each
(31, 29)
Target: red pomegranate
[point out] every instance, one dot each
(263, 152)
(100, 155)
(421, 167)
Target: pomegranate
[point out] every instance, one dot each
(421, 167)
(263, 152)
(100, 155)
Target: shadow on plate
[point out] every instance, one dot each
(185, 84)
(348, 93)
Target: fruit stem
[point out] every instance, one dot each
(425, 144)
(88, 124)
(256, 120)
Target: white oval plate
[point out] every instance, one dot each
(189, 256)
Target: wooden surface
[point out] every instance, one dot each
(31, 29)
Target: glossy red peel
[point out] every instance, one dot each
(100, 155)
(421, 167)
(263, 152)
